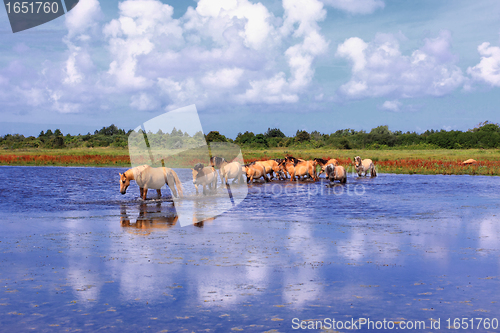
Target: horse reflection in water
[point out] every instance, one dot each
(150, 218)
(153, 218)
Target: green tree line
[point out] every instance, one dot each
(484, 135)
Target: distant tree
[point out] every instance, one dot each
(302, 136)
(58, 142)
(274, 133)
(48, 133)
(344, 144)
(490, 128)
(199, 135)
(245, 138)
(485, 126)
(345, 132)
(382, 130)
(110, 130)
(58, 132)
(260, 140)
(316, 135)
(215, 136)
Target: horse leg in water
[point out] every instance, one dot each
(145, 193)
(159, 193)
(312, 172)
(141, 189)
(171, 183)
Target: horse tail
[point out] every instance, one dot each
(178, 183)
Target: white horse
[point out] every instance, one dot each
(147, 177)
(232, 171)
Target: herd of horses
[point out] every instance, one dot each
(206, 177)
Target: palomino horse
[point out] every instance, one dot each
(231, 171)
(271, 167)
(254, 170)
(282, 172)
(217, 162)
(300, 168)
(204, 176)
(335, 172)
(147, 177)
(364, 166)
(323, 163)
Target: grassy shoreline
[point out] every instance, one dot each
(438, 161)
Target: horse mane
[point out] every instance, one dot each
(249, 164)
(320, 160)
(217, 161)
(292, 159)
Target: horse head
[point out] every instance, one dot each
(320, 161)
(198, 166)
(124, 183)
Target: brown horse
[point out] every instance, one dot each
(254, 170)
(271, 167)
(300, 168)
(147, 177)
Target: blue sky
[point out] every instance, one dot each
(248, 65)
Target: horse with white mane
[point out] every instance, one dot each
(335, 172)
(150, 178)
(365, 166)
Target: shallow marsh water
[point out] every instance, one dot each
(77, 255)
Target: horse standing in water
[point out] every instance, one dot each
(147, 177)
(335, 172)
(204, 176)
(218, 162)
(365, 166)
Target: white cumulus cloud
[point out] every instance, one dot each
(83, 17)
(393, 106)
(380, 69)
(144, 102)
(220, 52)
(488, 69)
(356, 6)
